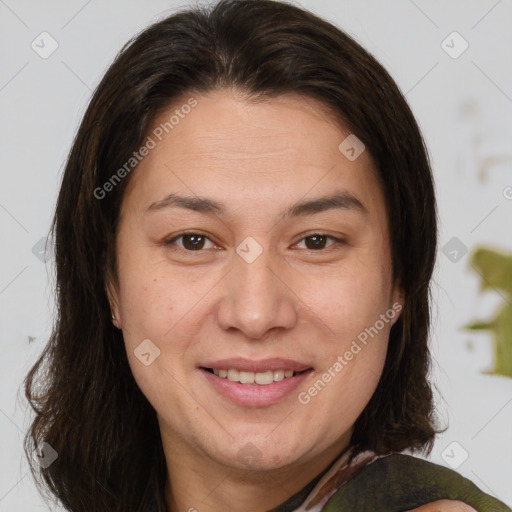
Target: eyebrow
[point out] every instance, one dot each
(339, 200)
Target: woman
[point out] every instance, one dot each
(245, 235)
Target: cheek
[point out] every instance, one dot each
(151, 296)
(354, 304)
(350, 298)
(143, 307)
(356, 365)
(150, 313)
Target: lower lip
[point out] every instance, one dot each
(255, 395)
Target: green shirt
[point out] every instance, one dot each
(398, 483)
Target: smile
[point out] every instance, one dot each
(259, 378)
(262, 388)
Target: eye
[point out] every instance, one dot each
(191, 241)
(318, 241)
(194, 241)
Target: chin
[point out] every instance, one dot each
(265, 454)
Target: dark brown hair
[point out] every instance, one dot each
(88, 406)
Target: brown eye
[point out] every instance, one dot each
(318, 241)
(190, 241)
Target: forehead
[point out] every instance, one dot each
(226, 124)
(279, 148)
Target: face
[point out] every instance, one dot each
(277, 261)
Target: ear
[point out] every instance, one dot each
(113, 299)
(397, 301)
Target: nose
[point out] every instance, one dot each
(258, 297)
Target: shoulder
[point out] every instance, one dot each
(404, 482)
(444, 506)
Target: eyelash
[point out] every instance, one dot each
(337, 241)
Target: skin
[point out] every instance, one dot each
(445, 506)
(293, 301)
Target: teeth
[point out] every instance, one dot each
(264, 378)
(246, 377)
(261, 378)
(233, 375)
(278, 375)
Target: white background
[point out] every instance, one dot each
(463, 105)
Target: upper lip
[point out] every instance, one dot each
(250, 365)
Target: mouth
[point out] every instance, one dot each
(259, 378)
(255, 383)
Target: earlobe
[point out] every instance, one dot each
(398, 303)
(112, 299)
